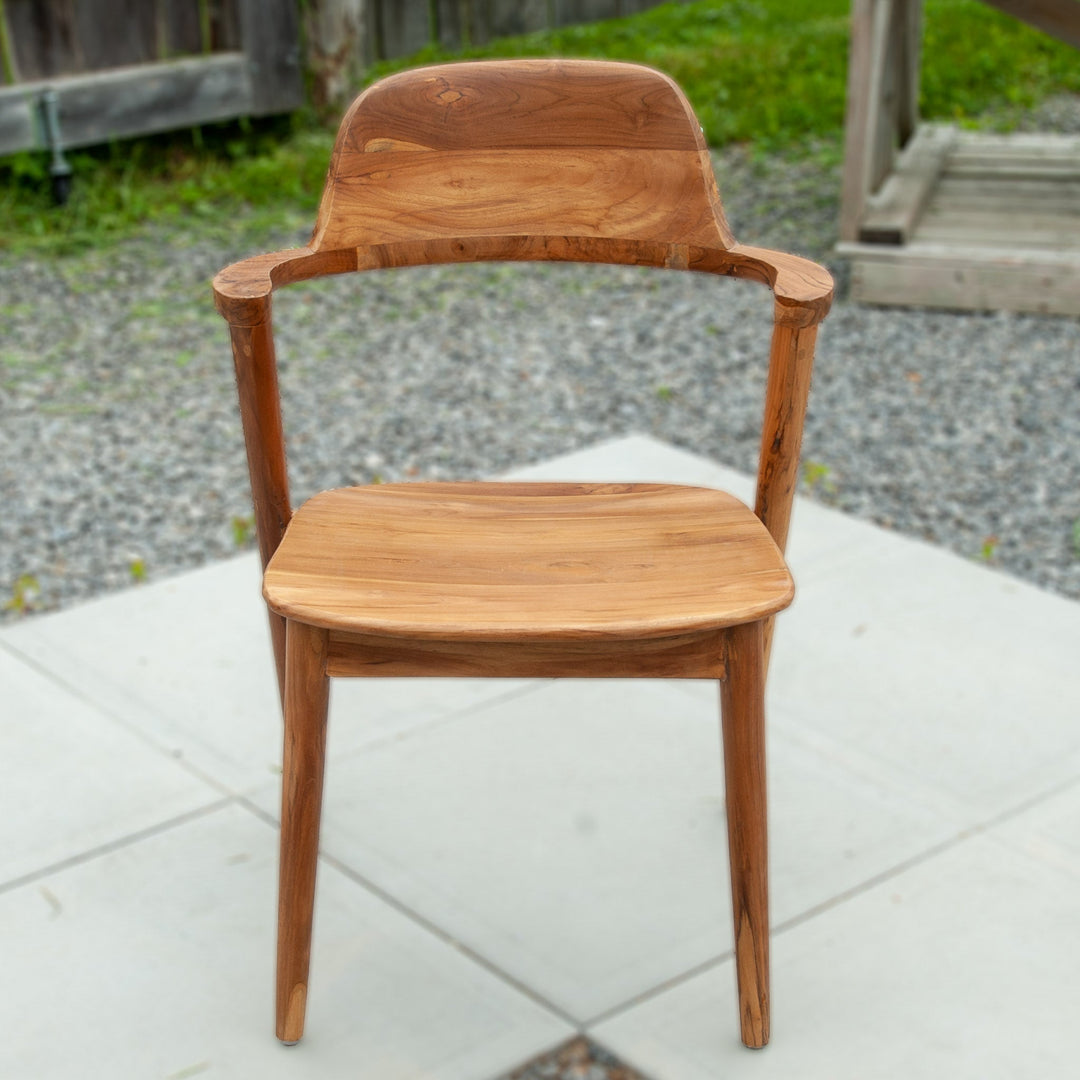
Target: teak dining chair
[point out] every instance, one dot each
(565, 160)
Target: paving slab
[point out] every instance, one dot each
(962, 677)
(74, 779)
(1049, 830)
(156, 960)
(963, 966)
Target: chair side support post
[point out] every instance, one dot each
(791, 361)
(260, 413)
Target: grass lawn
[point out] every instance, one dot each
(770, 73)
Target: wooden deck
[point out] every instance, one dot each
(974, 221)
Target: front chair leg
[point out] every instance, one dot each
(742, 706)
(306, 699)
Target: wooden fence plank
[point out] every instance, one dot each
(43, 37)
(105, 105)
(509, 19)
(907, 98)
(406, 25)
(270, 34)
(9, 70)
(18, 123)
(334, 37)
(114, 33)
(224, 25)
(178, 31)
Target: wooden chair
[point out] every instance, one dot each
(564, 160)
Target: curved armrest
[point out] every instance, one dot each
(803, 290)
(242, 290)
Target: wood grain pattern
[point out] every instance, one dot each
(479, 149)
(526, 562)
(803, 290)
(685, 656)
(578, 191)
(790, 365)
(306, 700)
(264, 437)
(786, 392)
(528, 104)
(742, 707)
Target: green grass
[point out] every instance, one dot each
(222, 178)
(766, 72)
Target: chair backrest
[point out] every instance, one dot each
(579, 160)
(566, 148)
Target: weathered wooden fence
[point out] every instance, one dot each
(399, 27)
(86, 71)
(344, 35)
(76, 72)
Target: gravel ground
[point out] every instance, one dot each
(578, 1059)
(121, 456)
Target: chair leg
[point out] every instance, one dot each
(742, 705)
(306, 700)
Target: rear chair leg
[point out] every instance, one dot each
(742, 707)
(306, 699)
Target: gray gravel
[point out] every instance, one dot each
(120, 448)
(578, 1059)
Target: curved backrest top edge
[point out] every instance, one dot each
(522, 104)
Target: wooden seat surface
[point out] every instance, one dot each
(526, 562)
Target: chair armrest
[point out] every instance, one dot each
(242, 290)
(803, 290)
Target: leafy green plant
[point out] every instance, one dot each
(815, 474)
(664, 393)
(243, 530)
(137, 570)
(24, 591)
(988, 551)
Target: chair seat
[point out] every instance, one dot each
(526, 562)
